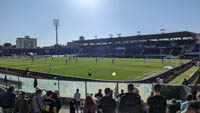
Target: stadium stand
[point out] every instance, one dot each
(154, 45)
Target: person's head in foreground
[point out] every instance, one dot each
(49, 95)
(107, 91)
(192, 107)
(130, 88)
(156, 89)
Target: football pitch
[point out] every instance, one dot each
(100, 68)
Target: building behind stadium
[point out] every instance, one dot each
(26, 43)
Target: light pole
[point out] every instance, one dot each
(56, 23)
(199, 56)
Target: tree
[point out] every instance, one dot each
(7, 45)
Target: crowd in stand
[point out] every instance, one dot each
(13, 101)
(129, 102)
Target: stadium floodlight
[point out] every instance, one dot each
(162, 31)
(138, 33)
(119, 34)
(111, 35)
(56, 23)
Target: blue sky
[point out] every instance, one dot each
(94, 17)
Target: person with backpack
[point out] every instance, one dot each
(156, 103)
(8, 100)
(22, 105)
(107, 104)
(131, 102)
(90, 105)
(37, 102)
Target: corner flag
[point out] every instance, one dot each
(114, 74)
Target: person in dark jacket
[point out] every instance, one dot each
(22, 104)
(11, 99)
(107, 104)
(57, 100)
(72, 105)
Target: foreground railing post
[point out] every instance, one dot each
(18, 82)
(85, 88)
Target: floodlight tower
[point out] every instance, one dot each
(138, 33)
(56, 24)
(162, 31)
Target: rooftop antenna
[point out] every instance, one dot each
(56, 23)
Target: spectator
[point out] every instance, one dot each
(72, 105)
(89, 105)
(77, 97)
(9, 100)
(37, 102)
(99, 95)
(22, 104)
(185, 82)
(49, 104)
(131, 102)
(121, 94)
(107, 104)
(198, 96)
(192, 107)
(188, 98)
(57, 100)
(156, 103)
(173, 108)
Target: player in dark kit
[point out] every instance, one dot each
(113, 61)
(66, 61)
(96, 60)
(156, 103)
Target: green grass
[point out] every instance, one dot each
(179, 79)
(126, 68)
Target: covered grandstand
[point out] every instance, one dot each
(152, 45)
